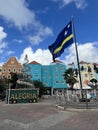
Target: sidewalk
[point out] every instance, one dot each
(45, 116)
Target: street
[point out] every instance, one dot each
(46, 116)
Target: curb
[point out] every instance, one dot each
(76, 109)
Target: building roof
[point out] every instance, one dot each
(57, 61)
(95, 64)
(12, 60)
(83, 62)
(71, 63)
(34, 62)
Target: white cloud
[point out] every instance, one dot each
(17, 13)
(3, 44)
(42, 33)
(35, 40)
(87, 52)
(81, 4)
(1, 63)
(2, 33)
(41, 56)
(10, 52)
(18, 40)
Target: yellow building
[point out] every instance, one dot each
(87, 73)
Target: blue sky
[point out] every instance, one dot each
(30, 26)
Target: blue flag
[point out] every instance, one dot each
(64, 39)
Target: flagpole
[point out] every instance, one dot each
(73, 29)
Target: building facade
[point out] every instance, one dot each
(36, 70)
(87, 73)
(96, 70)
(50, 75)
(12, 65)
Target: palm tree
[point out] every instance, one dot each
(70, 77)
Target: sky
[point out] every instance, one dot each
(28, 27)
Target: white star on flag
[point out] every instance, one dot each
(65, 33)
(68, 25)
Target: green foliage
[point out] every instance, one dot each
(69, 76)
(41, 87)
(3, 87)
(93, 80)
(13, 80)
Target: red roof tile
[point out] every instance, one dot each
(83, 62)
(95, 64)
(57, 61)
(34, 62)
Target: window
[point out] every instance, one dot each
(57, 81)
(89, 69)
(14, 70)
(46, 70)
(63, 81)
(36, 75)
(36, 69)
(91, 75)
(56, 68)
(19, 70)
(46, 83)
(43, 76)
(9, 76)
(82, 68)
(49, 77)
(56, 75)
(62, 68)
(86, 75)
(9, 70)
(3, 76)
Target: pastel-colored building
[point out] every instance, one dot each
(96, 70)
(58, 68)
(35, 70)
(12, 65)
(87, 72)
(50, 75)
(47, 75)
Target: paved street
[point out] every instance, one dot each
(45, 116)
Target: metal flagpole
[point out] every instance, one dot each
(73, 29)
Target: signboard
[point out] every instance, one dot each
(22, 95)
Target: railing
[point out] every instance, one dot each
(73, 101)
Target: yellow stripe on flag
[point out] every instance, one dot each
(60, 47)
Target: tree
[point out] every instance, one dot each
(13, 80)
(40, 86)
(69, 76)
(3, 87)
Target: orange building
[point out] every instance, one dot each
(12, 65)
